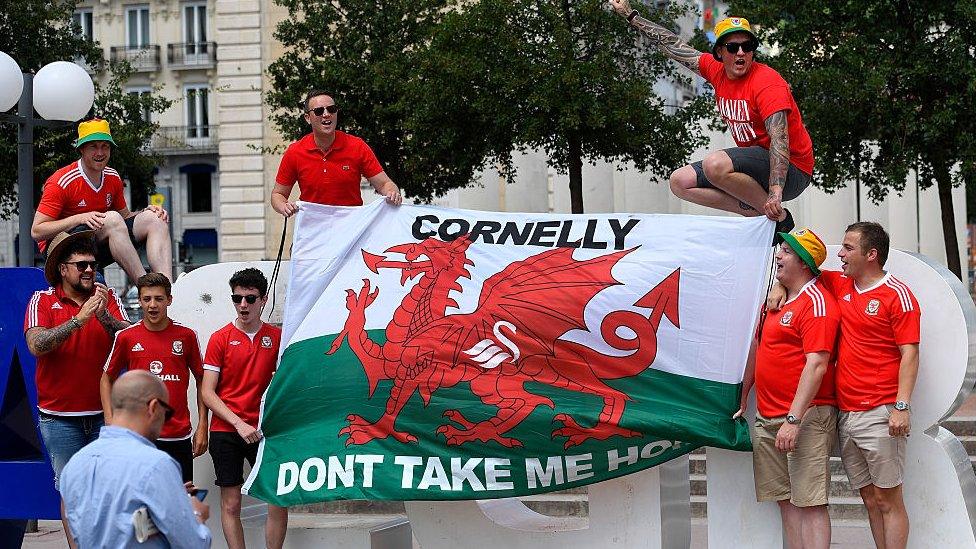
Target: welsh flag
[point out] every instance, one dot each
(433, 353)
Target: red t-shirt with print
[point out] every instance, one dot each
(245, 367)
(745, 104)
(69, 192)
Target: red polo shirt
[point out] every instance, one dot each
(330, 178)
(67, 377)
(245, 366)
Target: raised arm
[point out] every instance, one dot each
(779, 163)
(668, 42)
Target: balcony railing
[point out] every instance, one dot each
(192, 55)
(142, 58)
(185, 139)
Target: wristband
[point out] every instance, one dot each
(633, 14)
(75, 322)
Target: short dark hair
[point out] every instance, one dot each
(81, 246)
(874, 236)
(250, 278)
(316, 93)
(155, 280)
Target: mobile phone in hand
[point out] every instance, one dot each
(200, 494)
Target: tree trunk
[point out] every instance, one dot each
(576, 173)
(944, 181)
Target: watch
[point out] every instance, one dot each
(633, 14)
(792, 420)
(902, 406)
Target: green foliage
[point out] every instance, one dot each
(885, 86)
(442, 89)
(35, 33)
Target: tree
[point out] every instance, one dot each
(441, 89)
(886, 87)
(37, 32)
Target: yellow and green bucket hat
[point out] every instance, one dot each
(728, 26)
(95, 129)
(808, 246)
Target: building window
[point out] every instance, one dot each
(199, 193)
(197, 111)
(83, 20)
(195, 23)
(137, 26)
(142, 92)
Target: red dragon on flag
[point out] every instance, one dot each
(510, 339)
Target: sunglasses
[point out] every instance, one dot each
(168, 410)
(319, 111)
(747, 46)
(83, 265)
(236, 298)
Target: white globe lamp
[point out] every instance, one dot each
(11, 82)
(63, 91)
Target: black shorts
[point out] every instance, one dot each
(229, 451)
(182, 452)
(102, 252)
(754, 162)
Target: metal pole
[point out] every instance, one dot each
(25, 173)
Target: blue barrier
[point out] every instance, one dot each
(25, 470)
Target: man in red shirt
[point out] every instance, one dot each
(877, 364)
(328, 164)
(88, 194)
(796, 423)
(169, 351)
(773, 161)
(68, 328)
(241, 358)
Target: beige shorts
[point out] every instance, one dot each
(869, 453)
(803, 475)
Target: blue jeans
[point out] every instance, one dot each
(65, 435)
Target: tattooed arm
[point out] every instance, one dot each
(41, 341)
(669, 43)
(779, 162)
(110, 323)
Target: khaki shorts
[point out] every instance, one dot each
(803, 475)
(869, 453)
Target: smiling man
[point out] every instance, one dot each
(773, 160)
(169, 351)
(328, 164)
(89, 195)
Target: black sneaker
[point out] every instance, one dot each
(784, 226)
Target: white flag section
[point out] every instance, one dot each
(723, 262)
(433, 353)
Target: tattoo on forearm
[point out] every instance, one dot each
(45, 340)
(110, 323)
(669, 43)
(779, 148)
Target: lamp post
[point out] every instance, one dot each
(60, 92)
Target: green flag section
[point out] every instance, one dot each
(315, 398)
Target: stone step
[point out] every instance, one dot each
(559, 504)
(698, 466)
(840, 508)
(961, 425)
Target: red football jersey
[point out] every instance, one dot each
(67, 378)
(245, 367)
(172, 354)
(874, 322)
(69, 192)
(806, 324)
(745, 104)
(331, 178)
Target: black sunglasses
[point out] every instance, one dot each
(319, 111)
(236, 298)
(83, 265)
(747, 46)
(168, 410)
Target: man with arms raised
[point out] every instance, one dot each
(796, 424)
(773, 159)
(170, 351)
(121, 472)
(69, 328)
(241, 358)
(88, 194)
(328, 164)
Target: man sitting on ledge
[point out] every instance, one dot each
(88, 194)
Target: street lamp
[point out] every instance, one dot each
(60, 92)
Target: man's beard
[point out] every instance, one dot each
(81, 289)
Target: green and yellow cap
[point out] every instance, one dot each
(808, 246)
(95, 129)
